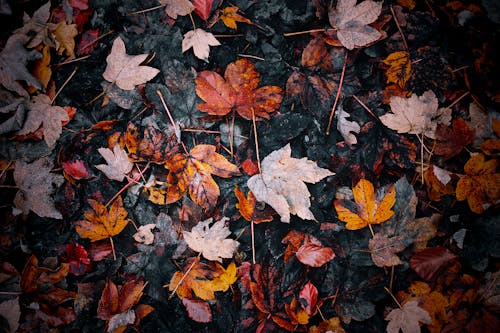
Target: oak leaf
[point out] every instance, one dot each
(407, 318)
(399, 71)
(480, 185)
(101, 223)
(173, 8)
(118, 164)
(416, 115)
(211, 241)
(369, 209)
(237, 91)
(230, 16)
(200, 40)
(281, 183)
(451, 141)
(36, 183)
(125, 70)
(192, 173)
(351, 22)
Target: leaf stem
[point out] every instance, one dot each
(112, 247)
(256, 140)
(399, 28)
(365, 107)
(145, 10)
(192, 21)
(393, 297)
(183, 277)
(132, 181)
(253, 241)
(250, 56)
(64, 85)
(168, 113)
(339, 90)
(288, 34)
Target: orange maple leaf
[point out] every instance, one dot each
(230, 16)
(369, 209)
(192, 173)
(152, 144)
(399, 71)
(246, 206)
(114, 301)
(480, 185)
(237, 90)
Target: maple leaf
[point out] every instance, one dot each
(438, 183)
(399, 71)
(173, 8)
(416, 115)
(230, 16)
(281, 183)
(125, 70)
(35, 26)
(203, 8)
(118, 164)
(370, 210)
(192, 173)
(35, 183)
(238, 91)
(65, 34)
(15, 106)
(200, 40)
(332, 324)
(101, 223)
(407, 318)
(480, 185)
(347, 128)
(246, 206)
(211, 241)
(383, 250)
(145, 234)
(451, 141)
(43, 113)
(351, 22)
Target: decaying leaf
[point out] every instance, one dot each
(329, 325)
(416, 115)
(438, 183)
(173, 8)
(192, 173)
(230, 16)
(41, 67)
(125, 70)
(237, 91)
(35, 26)
(347, 128)
(15, 108)
(36, 182)
(197, 310)
(118, 164)
(281, 183)
(383, 250)
(369, 208)
(65, 34)
(451, 141)
(200, 40)
(43, 113)
(351, 22)
(480, 185)
(145, 234)
(246, 206)
(203, 8)
(312, 253)
(211, 241)
(430, 262)
(407, 318)
(399, 71)
(11, 311)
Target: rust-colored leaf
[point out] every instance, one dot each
(28, 276)
(429, 262)
(237, 91)
(108, 304)
(192, 174)
(203, 8)
(452, 140)
(152, 145)
(313, 254)
(130, 293)
(198, 310)
(317, 56)
(41, 68)
(436, 187)
(246, 206)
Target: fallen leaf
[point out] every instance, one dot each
(125, 70)
(75, 169)
(11, 311)
(308, 298)
(118, 164)
(173, 8)
(65, 34)
(15, 108)
(36, 185)
(481, 123)
(407, 318)
(399, 71)
(369, 209)
(79, 4)
(246, 206)
(329, 325)
(88, 42)
(351, 22)
(43, 113)
(77, 258)
(200, 40)
(416, 115)
(114, 301)
(480, 185)
(239, 91)
(383, 250)
(316, 55)
(211, 241)
(41, 68)
(438, 183)
(120, 320)
(145, 234)
(313, 254)
(192, 173)
(198, 310)
(451, 141)
(101, 223)
(230, 16)
(347, 128)
(203, 8)
(35, 26)
(281, 183)
(430, 262)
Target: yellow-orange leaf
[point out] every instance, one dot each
(101, 223)
(399, 71)
(246, 206)
(41, 69)
(230, 16)
(65, 35)
(369, 209)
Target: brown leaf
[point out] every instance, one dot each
(383, 250)
(198, 310)
(429, 262)
(28, 283)
(108, 304)
(177, 7)
(41, 68)
(435, 187)
(316, 55)
(452, 140)
(407, 318)
(330, 325)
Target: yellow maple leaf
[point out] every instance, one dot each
(399, 71)
(369, 209)
(230, 16)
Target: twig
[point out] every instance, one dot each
(9, 186)
(250, 56)
(69, 61)
(460, 68)
(64, 85)
(101, 94)
(365, 107)
(392, 277)
(399, 28)
(132, 181)
(168, 112)
(112, 247)
(229, 36)
(256, 140)
(182, 278)
(332, 112)
(393, 297)
(145, 10)
(10, 293)
(458, 100)
(196, 130)
(192, 21)
(253, 241)
(288, 34)
(320, 313)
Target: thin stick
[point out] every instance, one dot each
(70, 61)
(229, 36)
(458, 100)
(64, 85)
(182, 279)
(168, 112)
(371, 230)
(97, 39)
(399, 28)
(192, 21)
(365, 107)
(195, 130)
(10, 293)
(5, 169)
(250, 56)
(332, 112)
(9, 186)
(335, 296)
(132, 181)
(101, 94)
(145, 10)
(422, 143)
(320, 313)
(422, 157)
(393, 297)
(288, 34)
(460, 68)
(392, 277)
(253, 242)
(256, 140)
(112, 248)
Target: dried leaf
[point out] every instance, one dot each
(407, 318)
(399, 71)
(15, 108)
(11, 311)
(313, 254)
(198, 310)
(173, 8)
(75, 169)
(230, 16)
(383, 250)
(192, 173)
(347, 128)
(203, 8)
(41, 68)
(211, 241)
(101, 223)
(115, 301)
(481, 123)
(438, 183)
(416, 115)
(480, 185)
(370, 210)
(308, 298)
(246, 206)
(330, 325)
(43, 113)
(36, 183)
(430, 262)
(451, 141)
(65, 34)
(351, 22)
(125, 70)
(200, 40)
(120, 320)
(239, 91)
(281, 183)
(118, 164)
(145, 234)
(35, 26)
